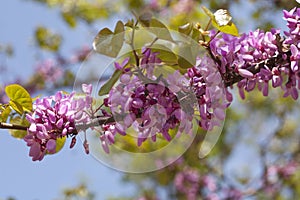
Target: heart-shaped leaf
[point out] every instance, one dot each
(110, 43)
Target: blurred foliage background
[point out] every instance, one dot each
(258, 154)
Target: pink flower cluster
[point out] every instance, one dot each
(55, 117)
(146, 103)
(293, 37)
(187, 182)
(239, 56)
(207, 85)
(49, 70)
(284, 171)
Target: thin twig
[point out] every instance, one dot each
(4, 125)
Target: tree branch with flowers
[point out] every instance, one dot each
(161, 82)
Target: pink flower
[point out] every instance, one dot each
(55, 117)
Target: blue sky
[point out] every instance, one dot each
(19, 176)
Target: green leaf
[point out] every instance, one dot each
(119, 28)
(183, 63)
(155, 26)
(110, 83)
(186, 28)
(187, 57)
(110, 43)
(160, 30)
(18, 133)
(20, 99)
(165, 54)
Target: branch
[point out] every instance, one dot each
(94, 122)
(12, 126)
(83, 126)
(277, 60)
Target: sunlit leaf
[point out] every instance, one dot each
(221, 20)
(20, 99)
(110, 83)
(16, 106)
(229, 29)
(4, 114)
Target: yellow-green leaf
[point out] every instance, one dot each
(60, 142)
(20, 99)
(18, 133)
(229, 28)
(16, 106)
(5, 113)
